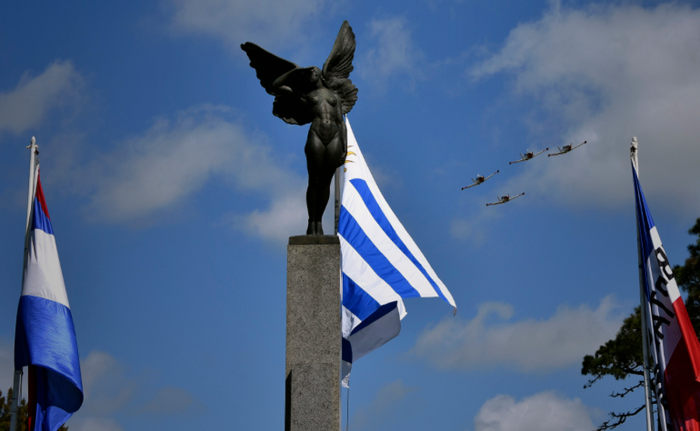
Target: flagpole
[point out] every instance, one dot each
(33, 147)
(642, 302)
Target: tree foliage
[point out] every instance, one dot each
(622, 356)
(6, 413)
(688, 278)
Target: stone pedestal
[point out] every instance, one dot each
(312, 384)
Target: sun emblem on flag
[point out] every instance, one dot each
(350, 153)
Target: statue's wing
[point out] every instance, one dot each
(268, 66)
(338, 66)
(292, 110)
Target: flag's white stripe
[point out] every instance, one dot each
(355, 267)
(672, 332)
(672, 287)
(351, 321)
(376, 334)
(356, 207)
(348, 322)
(43, 275)
(358, 169)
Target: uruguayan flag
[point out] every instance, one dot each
(380, 264)
(45, 336)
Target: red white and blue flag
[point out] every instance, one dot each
(45, 337)
(673, 344)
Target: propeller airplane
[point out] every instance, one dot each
(505, 199)
(566, 148)
(479, 180)
(529, 155)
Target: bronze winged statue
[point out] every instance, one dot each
(306, 95)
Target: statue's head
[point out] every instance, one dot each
(315, 75)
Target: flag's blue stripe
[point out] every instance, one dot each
(347, 351)
(39, 220)
(381, 312)
(376, 211)
(45, 337)
(349, 229)
(359, 302)
(645, 223)
(50, 415)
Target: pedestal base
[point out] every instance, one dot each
(312, 384)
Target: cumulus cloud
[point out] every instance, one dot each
(474, 228)
(6, 363)
(266, 22)
(93, 424)
(492, 340)
(27, 105)
(172, 401)
(385, 403)
(110, 391)
(604, 74)
(393, 54)
(106, 386)
(163, 167)
(545, 411)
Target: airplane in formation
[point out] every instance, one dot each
(505, 199)
(566, 148)
(529, 155)
(479, 180)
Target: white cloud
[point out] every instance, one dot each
(110, 391)
(106, 386)
(160, 169)
(93, 424)
(265, 22)
(28, 103)
(604, 74)
(385, 403)
(394, 54)
(286, 216)
(7, 363)
(492, 340)
(172, 401)
(474, 228)
(545, 411)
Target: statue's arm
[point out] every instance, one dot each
(282, 86)
(343, 136)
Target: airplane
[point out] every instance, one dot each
(528, 155)
(505, 199)
(565, 149)
(479, 179)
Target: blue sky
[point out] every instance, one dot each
(172, 191)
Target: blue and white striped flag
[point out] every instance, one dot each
(380, 264)
(45, 336)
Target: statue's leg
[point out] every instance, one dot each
(331, 160)
(314, 165)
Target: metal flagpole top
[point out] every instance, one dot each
(33, 143)
(634, 148)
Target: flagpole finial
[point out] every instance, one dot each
(32, 143)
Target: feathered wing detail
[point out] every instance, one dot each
(292, 110)
(268, 67)
(338, 66)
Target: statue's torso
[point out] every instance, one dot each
(325, 109)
